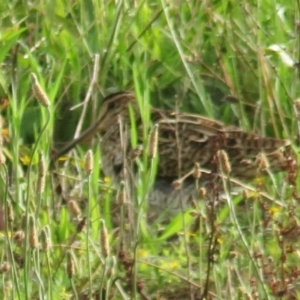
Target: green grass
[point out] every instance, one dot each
(231, 60)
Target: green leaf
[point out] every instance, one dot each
(8, 39)
(176, 225)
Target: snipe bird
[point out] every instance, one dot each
(189, 138)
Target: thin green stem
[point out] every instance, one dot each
(8, 235)
(88, 235)
(26, 249)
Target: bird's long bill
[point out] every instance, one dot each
(86, 136)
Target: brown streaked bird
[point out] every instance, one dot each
(189, 137)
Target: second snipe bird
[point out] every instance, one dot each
(183, 141)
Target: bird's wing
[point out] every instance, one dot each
(185, 139)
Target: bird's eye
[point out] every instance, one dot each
(111, 105)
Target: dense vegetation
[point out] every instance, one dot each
(236, 61)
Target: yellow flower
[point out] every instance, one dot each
(274, 211)
(64, 295)
(25, 159)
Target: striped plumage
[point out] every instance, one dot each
(184, 139)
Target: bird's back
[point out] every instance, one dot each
(186, 139)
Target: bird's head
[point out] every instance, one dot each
(114, 105)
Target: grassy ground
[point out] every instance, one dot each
(235, 61)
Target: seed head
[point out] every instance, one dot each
(177, 184)
(46, 239)
(42, 166)
(70, 265)
(224, 162)
(153, 139)
(5, 267)
(39, 93)
(74, 209)
(40, 184)
(121, 196)
(104, 239)
(19, 237)
(33, 237)
(202, 192)
(41, 174)
(89, 162)
(197, 171)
